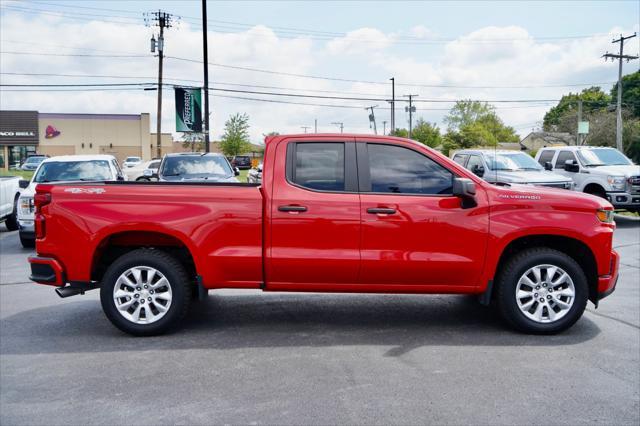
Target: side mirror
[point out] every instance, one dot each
(466, 190)
(548, 166)
(23, 184)
(478, 170)
(236, 171)
(571, 166)
(120, 177)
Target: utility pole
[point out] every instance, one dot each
(384, 128)
(205, 55)
(372, 119)
(579, 120)
(162, 20)
(339, 124)
(410, 109)
(315, 126)
(619, 57)
(393, 104)
(305, 128)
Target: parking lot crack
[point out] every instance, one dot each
(613, 318)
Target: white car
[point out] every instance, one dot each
(66, 168)
(131, 162)
(9, 193)
(138, 172)
(601, 171)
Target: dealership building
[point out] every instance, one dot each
(25, 133)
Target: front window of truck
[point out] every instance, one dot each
(512, 162)
(58, 171)
(603, 157)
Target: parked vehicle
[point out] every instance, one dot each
(601, 171)
(242, 162)
(255, 175)
(131, 162)
(9, 193)
(335, 213)
(138, 172)
(32, 163)
(66, 168)
(193, 166)
(507, 167)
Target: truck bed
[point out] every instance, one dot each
(219, 223)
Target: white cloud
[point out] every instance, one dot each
(359, 42)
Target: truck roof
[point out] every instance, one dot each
(576, 148)
(487, 151)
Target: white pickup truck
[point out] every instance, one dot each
(601, 171)
(9, 193)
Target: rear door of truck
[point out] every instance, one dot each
(315, 215)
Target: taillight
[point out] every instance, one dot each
(40, 200)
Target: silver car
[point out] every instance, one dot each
(507, 167)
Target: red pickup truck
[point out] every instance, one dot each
(334, 213)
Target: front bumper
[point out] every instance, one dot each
(26, 226)
(624, 200)
(607, 283)
(46, 270)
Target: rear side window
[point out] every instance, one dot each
(563, 157)
(545, 157)
(399, 170)
(460, 158)
(319, 166)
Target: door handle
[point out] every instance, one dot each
(381, 210)
(292, 208)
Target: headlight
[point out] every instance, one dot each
(568, 185)
(605, 216)
(617, 182)
(26, 205)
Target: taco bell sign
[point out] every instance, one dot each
(188, 110)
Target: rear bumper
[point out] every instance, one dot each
(46, 270)
(607, 283)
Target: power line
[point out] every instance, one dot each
(235, 67)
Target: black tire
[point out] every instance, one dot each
(27, 242)
(598, 191)
(173, 271)
(12, 220)
(516, 266)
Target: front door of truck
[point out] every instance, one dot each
(415, 233)
(314, 237)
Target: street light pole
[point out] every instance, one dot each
(205, 54)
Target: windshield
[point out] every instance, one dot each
(132, 159)
(196, 166)
(512, 162)
(53, 171)
(34, 160)
(603, 157)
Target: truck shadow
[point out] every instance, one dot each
(402, 322)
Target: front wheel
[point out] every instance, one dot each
(542, 291)
(145, 292)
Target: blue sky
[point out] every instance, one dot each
(448, 45)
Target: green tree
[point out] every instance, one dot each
(401, 133)
(467, 112)
(494, 125)
(235, 139)
(426, 133)
(593, 99)
(630, 93)
(193, 141)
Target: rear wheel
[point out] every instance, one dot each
(12, 220)
(542, 291)
(145, 292)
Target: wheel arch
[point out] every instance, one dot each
(574, 248)
(594, 188)
(117, 244)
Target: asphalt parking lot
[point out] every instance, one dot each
(268, 358)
